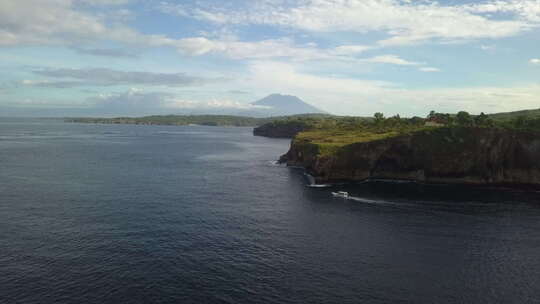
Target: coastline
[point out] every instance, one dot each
(490, 158)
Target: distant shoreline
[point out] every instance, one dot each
(185, 120)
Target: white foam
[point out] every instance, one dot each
(370, 201)
(319, 185)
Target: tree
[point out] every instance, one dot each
(464, 118)
(443, 118)
(379, 117)
(481, 120)
(416, 120)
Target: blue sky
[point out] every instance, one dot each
(349, 57)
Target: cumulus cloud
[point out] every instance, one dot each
(108, 77)
(526, 9)
(65, 22)
(71, 22)
(535, 61)
(404, 21)
(44, 22)
(269, 48)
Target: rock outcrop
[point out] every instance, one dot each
(482, 156)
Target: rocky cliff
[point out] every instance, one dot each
(443, 155)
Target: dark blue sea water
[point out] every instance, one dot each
(160, 214)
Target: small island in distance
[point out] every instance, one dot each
(497, 149)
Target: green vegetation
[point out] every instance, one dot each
(316, 121)
(206, 120)
(176, 120)
(508, 116)
(521, 122)
(331, 134)
(347, 130)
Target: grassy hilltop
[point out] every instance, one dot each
(328, 134)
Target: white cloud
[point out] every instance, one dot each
(404, 21)
(332, 94)
(131, 102)
(474, 100)
(349, 96)
(350, 49)
(63, 22)
(487, 47)
(429, 69)
(390, 59)
(225, 104)
(526, 9)
(264, 49)
(278, 74)
(535, 61)
(52, 22)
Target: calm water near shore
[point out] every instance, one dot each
(163, 214)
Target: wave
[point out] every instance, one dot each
(370, 201)
(313, 184)
(275, 163)
(310, 178)
(319, 185)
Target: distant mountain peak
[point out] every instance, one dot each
(280, 104)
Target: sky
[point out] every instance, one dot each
(347, 57)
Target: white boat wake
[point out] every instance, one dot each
(365, 200)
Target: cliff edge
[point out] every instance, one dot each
(481, 156)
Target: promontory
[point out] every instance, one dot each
(442, 148)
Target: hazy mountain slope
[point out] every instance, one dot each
(277, 104)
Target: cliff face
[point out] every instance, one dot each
(444, 155)
(280, 130)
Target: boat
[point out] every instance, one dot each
(343, 194)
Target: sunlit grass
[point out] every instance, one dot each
(330, 141)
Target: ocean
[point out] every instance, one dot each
(171, 214)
